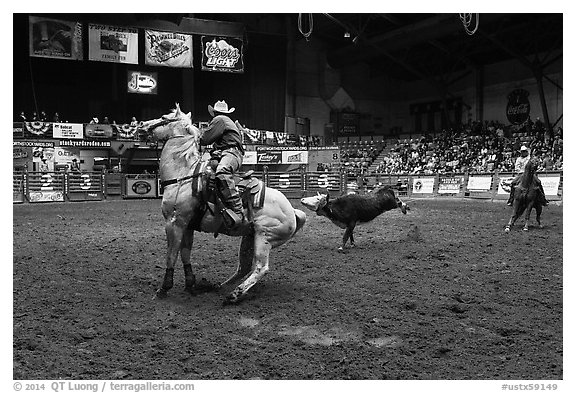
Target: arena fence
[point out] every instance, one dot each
(33, 187)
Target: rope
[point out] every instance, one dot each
(467, 20)
(310, 25)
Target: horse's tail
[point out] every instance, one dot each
(300, 219)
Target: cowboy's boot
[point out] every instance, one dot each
(233, 213)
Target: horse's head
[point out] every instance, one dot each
(176, 123)
(531, 166)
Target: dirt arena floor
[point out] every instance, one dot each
(441, 293)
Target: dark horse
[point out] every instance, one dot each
(527, 196)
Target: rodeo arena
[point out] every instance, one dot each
(296, 197)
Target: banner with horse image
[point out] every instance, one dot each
(56, 39)
(222, 54)
(113, 44)
(551, 184)
(169, 49)
(504, 184)
(38, 129)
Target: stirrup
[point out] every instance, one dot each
(233, 220)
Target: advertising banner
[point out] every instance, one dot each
(98, 131)
(253, 136)
(294, 157)
(141, 188)
(113, 44)
(57, 39)
(450, 185)
(142, 82)
(18, 130)
(38, 129)
(65, 156)
(33, 144)
(504, 185)
(348, 123)
(45, 187)
(222, 54)
(424, 185)
(21, 154)
(85, 144)
(168, 49)
(250, 158)
(269, 157)
(550, 184)
(68, 131)
(266, 156)
(479, 183)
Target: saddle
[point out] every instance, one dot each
(251, 189)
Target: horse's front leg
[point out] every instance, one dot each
(174, 234)
(185, 252)
(514, 217)
(527, 215)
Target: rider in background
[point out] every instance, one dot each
(519, 166)
(226, 140)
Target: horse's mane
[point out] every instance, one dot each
(188, 149)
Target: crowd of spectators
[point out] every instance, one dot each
(474, 148)
(358, 158)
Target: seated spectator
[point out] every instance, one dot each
(56, 118)
(94, 120)
(75, 165)
(105, 120)
(43, 116)
(133, 122)
(22, 117)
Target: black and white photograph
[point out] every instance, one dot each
(204, 195)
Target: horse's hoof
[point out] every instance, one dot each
(525, 229)
(341, 249)
(231, 299)
(507, 229)
(161, 294)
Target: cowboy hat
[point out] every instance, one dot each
(221, 107)
(523, 148)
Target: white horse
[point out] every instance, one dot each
(274, 223)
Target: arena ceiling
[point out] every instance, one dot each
(418, 46)
(405, 46)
